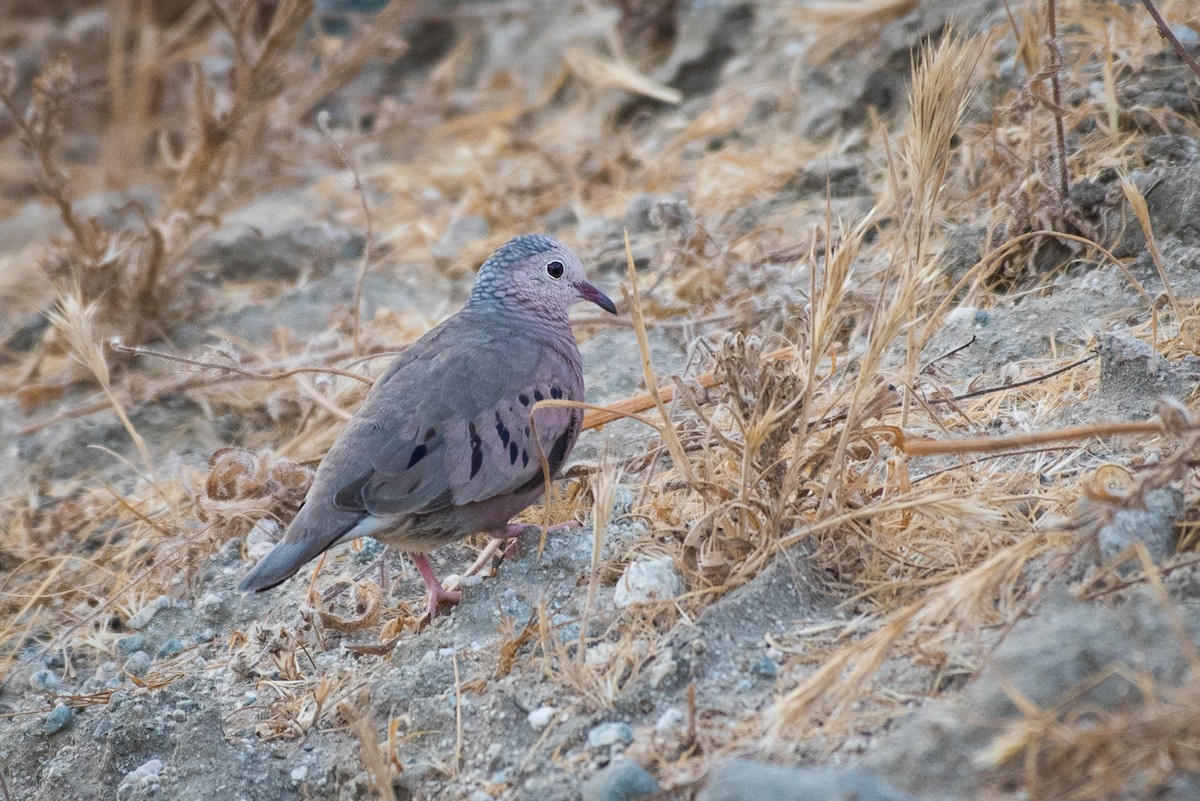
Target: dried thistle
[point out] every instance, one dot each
(243, 486)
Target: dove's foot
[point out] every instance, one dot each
(438, 594)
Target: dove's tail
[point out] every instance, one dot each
(305, 540)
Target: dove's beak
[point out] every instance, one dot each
(590, 293)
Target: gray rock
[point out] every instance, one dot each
(59, 719)
(461, 233)
(1154, 526)
(607, 734)
(275, 238)
(170, 648)
(138, 663)
(1181, 788)
(130, 643)
(144, 615)
(1188, 37)
(765, 668)
(637, 216)
(1170, 148)
(622, 780)
(43, 681)
(742, 780)
(369, 552)
(1046, 660)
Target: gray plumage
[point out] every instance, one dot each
(443, 446)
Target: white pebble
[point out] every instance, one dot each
(648, 580)
(300, 774)
(671, 719)
(540, 718)
(599, 654)
(147, 613)
(262, 538)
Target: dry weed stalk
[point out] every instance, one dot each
(74, 320)
(126, 272)
(376, 760)
(941, 90)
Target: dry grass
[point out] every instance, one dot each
(794, 432)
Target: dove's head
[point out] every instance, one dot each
(538, 274)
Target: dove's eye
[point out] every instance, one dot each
(554, 269)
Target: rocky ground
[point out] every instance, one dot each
(1015, 647)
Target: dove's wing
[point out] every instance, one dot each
(469, 440)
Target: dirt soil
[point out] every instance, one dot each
(961, 626)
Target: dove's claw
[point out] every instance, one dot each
(438, 594)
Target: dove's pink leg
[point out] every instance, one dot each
(438, 594)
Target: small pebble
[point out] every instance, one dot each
(607, 734)
(622, 780)
(142, 776)
(146, 613)
(210, 601)
(540, 718)
(765, 668)
(460, 233)
(471, 581)
(1188, 37)
(300, 774)
(138, 664)
(623, 499)
(170, 648)
(369, 552)
(43, 681)
(130, 643)
(262, 538)
(599, 654)
(59, 719)
(670, 720)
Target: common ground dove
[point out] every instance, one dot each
(443, 446)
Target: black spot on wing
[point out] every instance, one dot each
(418, 454)
(501, 430)
(524, 399)
(556, 393)
(476, 449)
(430, 433)
(538, 396)
(524, 458)
(558, 453)
(350, 497)
(512, 453)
